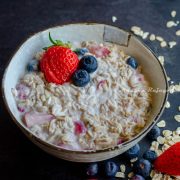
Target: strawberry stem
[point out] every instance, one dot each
(57, 43)
(52, 41)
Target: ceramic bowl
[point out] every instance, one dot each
(151, 66)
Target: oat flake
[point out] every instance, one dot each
(170, 24)
(168, 104)
(173, 13)
(172, 44)
(163, 44)
(152, 37)
(177, 118)
(162, 123)
(178, 33)
(114, 18)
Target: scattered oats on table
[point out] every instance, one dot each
(159, 38)
(152, 37)
(177, 117)
(167, 133)
(168, 104)
(178, 33)
(160, 140)
(174, 88)
(114, 18)
(163, 44)
(145, 35)
(173, 13)
(162, 123)
(171, 24)
(168, 78)
(122, 168)
(120, 175)
(161, 59)
(133, 160)
(172, 44)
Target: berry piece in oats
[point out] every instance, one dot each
(133, 152)
(150, 155)
(80, 78)
(99, 51)
(142, 167)
(132, 62)
(111, 168)
(31, 118)
(79, 127)
(169, 161)
(81, 51)
(137, 177)
(88, 63)
(154, 133)
(23, 91)
(33, 65)
(92, 169)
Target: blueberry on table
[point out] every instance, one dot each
(150, 155)
(80, 78)
(81, 51)
(92, 169)
(142, 167)
(132, 62)
(88, 63)
(154, 133)
(137, 177)
(33, 65)
(133, 152)
(111, 168)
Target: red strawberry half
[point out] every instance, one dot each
(58, 62)
(169, 161)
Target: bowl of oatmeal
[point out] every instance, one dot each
(84, 92)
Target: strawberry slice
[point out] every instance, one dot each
(169, 161)
(31, 118)
(99, 51)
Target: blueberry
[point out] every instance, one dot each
(111, 168)
(133, 152)
(92, 169)
(132, 62)
(154, 133)
(33, 65)
(81, 51)
(88, 63)
(150, 155)
(142, 167)
(137, 177)
(80, 78)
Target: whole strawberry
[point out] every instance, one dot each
(169, 161)
(59, 62)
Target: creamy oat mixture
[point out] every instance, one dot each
(109, 110)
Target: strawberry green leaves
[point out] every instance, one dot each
(57, 43)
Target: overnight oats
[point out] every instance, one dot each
(83, 96)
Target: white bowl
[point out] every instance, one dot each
(151, 66)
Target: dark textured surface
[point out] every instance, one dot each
(19, 158)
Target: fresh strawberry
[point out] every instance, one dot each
(58, 62)
(169, 161)
(99, 51)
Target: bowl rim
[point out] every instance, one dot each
(54, 147)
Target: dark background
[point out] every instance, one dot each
(21, 159)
